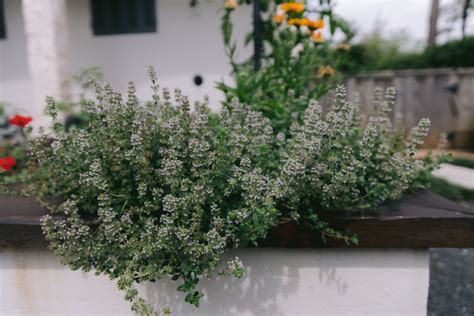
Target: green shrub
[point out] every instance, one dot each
(463, 162)
(450, 191)
(373, 51)
(453, 54)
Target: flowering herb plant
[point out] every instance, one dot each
(298, 62)
(342, 161)
(154, 190)
(171, 189)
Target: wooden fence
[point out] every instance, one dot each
(446, 96)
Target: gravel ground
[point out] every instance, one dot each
(451, 281)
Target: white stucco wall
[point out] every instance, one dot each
(277, 282)
(45, 24)
(188, 42)
(45, 46)
(16, 88)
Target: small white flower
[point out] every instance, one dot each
(325, 7)
(304, 30)
(297, 49)
(279, 11)
(312, 16)
(312, 5)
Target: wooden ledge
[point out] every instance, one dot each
(419, 220)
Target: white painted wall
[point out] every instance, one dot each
(277, 282)
(188, 41)
(45, 24)
(16, 87)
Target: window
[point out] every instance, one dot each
(123, 16)
(3, 29)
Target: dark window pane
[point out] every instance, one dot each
(133, 15)
(149, 13)
(3, 31)
(123, 16)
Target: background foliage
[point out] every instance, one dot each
(379, 53)
(294, 66)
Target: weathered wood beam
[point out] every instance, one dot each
(419, 220)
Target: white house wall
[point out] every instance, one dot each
(187, 42)
(45, 47)
(16, 87)
(45, 24)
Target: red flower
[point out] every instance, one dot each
(20, 120)
(7, 163)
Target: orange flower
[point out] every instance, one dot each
(278, 18)
(295, 22)
(7, 163)
(319, 24)
(230, 4)
(20, 120)
(325, 71)
(299, 22)
(292, 7)
(305, 22)
(317, 37)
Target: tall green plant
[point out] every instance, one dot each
(297, 65)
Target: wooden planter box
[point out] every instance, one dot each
(292, 273)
